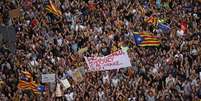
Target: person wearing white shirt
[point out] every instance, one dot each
(58, 92)
(105, 78)
(101, 95)
(115, 82)
(170, 80)
(70, 96)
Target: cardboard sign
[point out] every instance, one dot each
(65, 83)
(200, 75)
(47, 78)
(77, 76)
(82, 50)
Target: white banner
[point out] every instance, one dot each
(116, 60)
(48, 78)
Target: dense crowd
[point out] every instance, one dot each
(47, 43)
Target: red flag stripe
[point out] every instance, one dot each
(150, 36)
(151, 42)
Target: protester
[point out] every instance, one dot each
(55, 36)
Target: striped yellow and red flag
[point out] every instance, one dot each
(149, 39)
(53, 9)
(23, 84)
(27, 74)
(146, 39)
(26, 83)
(151, 20)
(34, 87)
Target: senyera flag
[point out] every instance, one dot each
(116, 60)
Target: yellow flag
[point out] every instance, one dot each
(55, 8)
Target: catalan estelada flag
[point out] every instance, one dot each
(23, 84)
(164, 27)
(53, 9)
(146, 39)
(151, 20)
(36, 87)
(26, 83)
(26, 74)
(25, 79)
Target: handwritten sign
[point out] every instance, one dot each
(47, 78)
(77, 75)
(116, 60)
(65, 83)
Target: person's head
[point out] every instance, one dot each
(167, 97)
(160, 98)
(170, 75)
(150, 93)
